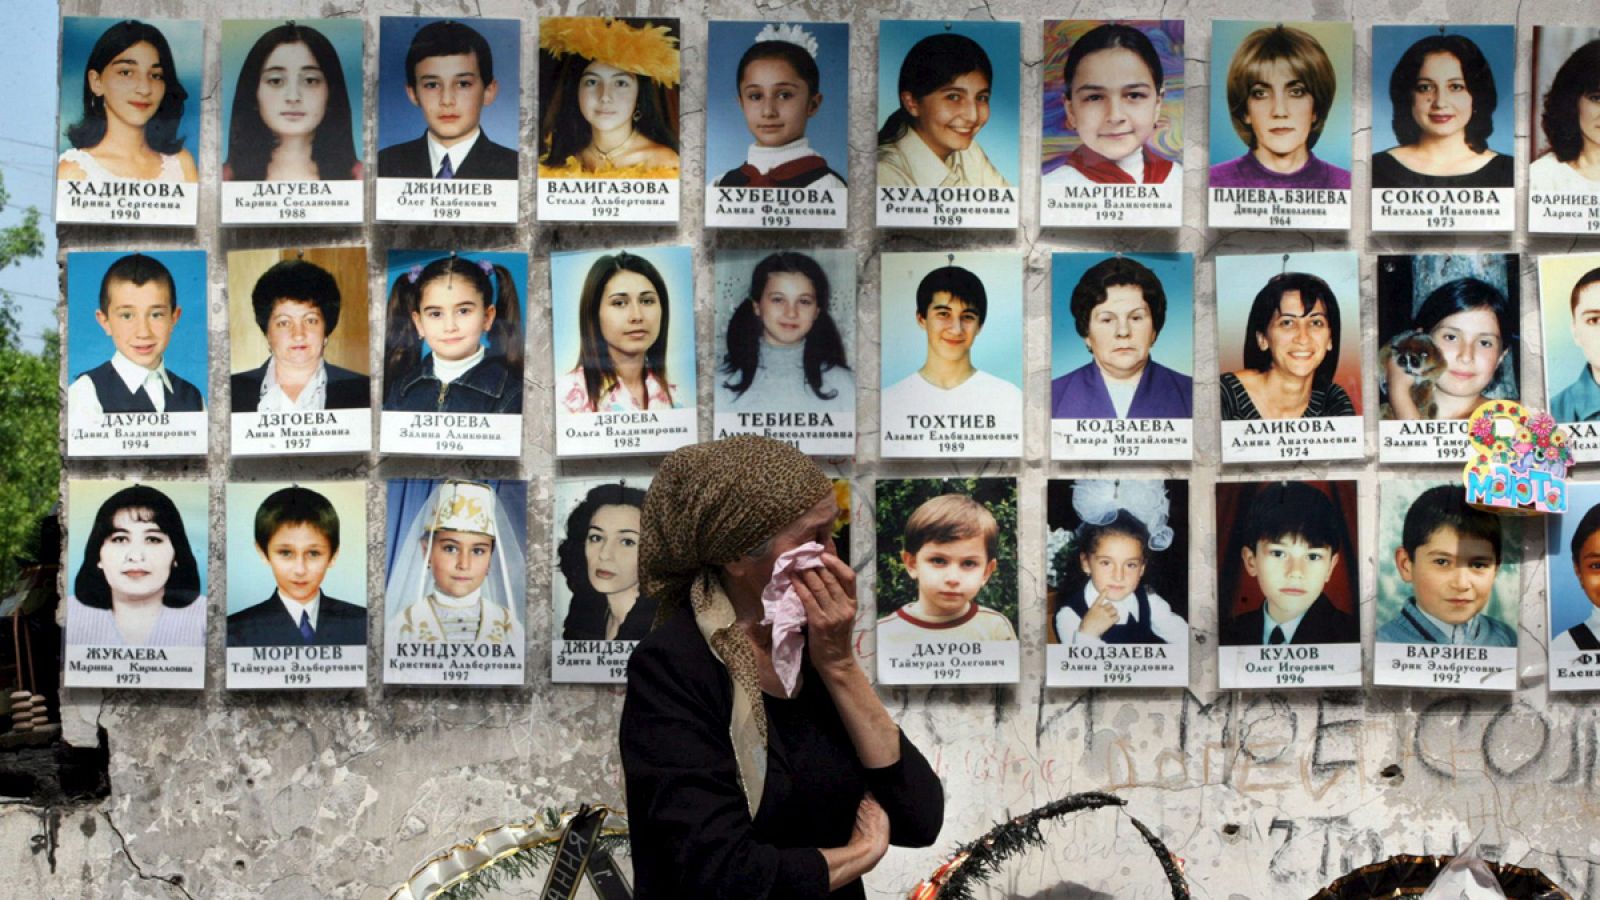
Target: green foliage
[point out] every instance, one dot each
(898, 499)
(30, 460)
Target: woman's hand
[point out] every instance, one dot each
(1099, 618)
(1399, 382)
(829, 596)
(869, 841)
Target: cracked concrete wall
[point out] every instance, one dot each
(1266, 795)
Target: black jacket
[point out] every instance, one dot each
(488, 387)
(1324, 623)
(487, 160)
(115, 397)
(586, 620)
(346, 389)
(267, 624)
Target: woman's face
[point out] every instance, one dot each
(1298, 339)
(1472, 347)
(1121, 331)
(1280, 110)
(452, 318)
(607, 96)
(137, 557)
(1113, 102)
(950, 118)
(776, 101)
(630, 314)
(132, 84)
(1440, 101)
(293, 92)
(611, 548)
(1115, 566)
(296, 333)
(787, 308)
(1589, 117)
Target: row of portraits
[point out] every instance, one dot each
(451, 369)
(608, 132)
(1119, 608)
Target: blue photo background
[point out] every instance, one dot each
(1498, 43)
(78, 36)
(1174, 347)
(88, 345)
(727, 137)
(402, 261)
(1002, 41)
(676, 265)
(998, 346)
(1568, 604)
(250, 578)
(1337, 40)
(240, 35)
(399, 120)
(192, 498)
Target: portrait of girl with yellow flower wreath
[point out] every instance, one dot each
(608, 97)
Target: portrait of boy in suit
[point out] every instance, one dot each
(138, 311)
(297, 534)
(450, 78)
(1291, 545)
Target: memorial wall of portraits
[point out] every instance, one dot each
(453, 375)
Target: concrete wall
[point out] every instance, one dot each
(1266, 795)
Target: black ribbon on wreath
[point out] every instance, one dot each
(1411, 876)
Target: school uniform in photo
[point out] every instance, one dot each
(1584, 636)
(345, 389)
(1322, 623)
(1143, 617)
(271, 624)
(484, 160)
(120, 385)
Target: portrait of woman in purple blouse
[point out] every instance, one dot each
(1118, 308)
(1280, 88)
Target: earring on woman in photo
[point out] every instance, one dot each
(635, 115)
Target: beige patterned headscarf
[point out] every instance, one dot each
(708, 505)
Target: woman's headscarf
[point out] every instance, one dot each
(708, 505)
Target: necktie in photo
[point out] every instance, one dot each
(307, 633)
(1276, 637)
(445, 169)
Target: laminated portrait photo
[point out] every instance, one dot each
(623, 351)
(1564, 177)
(948, 133)
(129, 131)
(1117, 566)
(1449, 590)
(455, 582)
(292, 122)
(608, 119)
(1448, 340)
(137, 353)
(1569, 303)
(309, 541)
(453, 353)
(1288, 585)
(447, 120)
(297, 339)
(136, 581)
(1573, 589)
(786, 329)
(1112, 153)
(1443, 142)
(1281, 127)
(947, 581)
(1289, 353)
(598, 611)
(777, 125)
(1122, 356)
(951, 361)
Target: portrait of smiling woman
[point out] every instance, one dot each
(1442, 97)
(1290, 352)
(291, 118)
(132, 109)
(1568, 118)
(623, 317)
(608, 97)
(1281, 86)
(139, 582)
